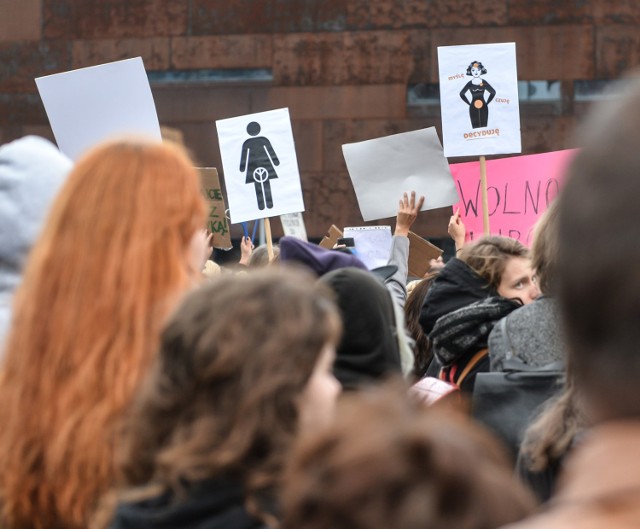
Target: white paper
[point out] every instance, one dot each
(260, 165)
(372, 244)
(293, 225)
(489, 122)
(382, 169)
(90, 105)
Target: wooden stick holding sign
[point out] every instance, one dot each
(267, 229)
(485, 196)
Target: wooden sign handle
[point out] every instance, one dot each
(485, 197)
(267, 229)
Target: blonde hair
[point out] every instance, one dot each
(488, 256)
(109, 266)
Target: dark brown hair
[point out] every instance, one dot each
(388, 462)
(598, 256)
(488, 256)
(551, 434)
(422, 350)
(544, 250)
(222, 396)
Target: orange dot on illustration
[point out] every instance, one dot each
(478, 104)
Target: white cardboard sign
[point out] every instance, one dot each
(293, 225)
(260, 165)
(90, 105)
(372, 244)
(382, 169)
(479, 99)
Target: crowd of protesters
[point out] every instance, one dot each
(144, 386)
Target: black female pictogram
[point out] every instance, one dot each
(478, 107)
(258, 159)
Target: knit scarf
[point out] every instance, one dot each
(467, 329)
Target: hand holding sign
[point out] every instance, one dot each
(456, 229)
(407, 213)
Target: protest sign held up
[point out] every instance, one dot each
(260, 166)
(216, 219)
(479, 99)
(411, 160)
(90, 105)
(521, 189)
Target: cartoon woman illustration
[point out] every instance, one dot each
(478, 107)
(258, 158)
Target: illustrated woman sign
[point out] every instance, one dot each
(258, 159)
(478, 106)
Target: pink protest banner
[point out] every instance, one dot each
(519, 189)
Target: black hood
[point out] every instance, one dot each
(456, 286)
(369, 347)
(208, 505)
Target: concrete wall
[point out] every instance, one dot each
(342, 68)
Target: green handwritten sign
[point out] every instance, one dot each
(217, 222)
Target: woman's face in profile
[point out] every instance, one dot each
(475, 71)
(518, 281)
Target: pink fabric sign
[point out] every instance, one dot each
(519, 190)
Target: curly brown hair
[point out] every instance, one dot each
(389, 462)
(488, 256)
(222, 396)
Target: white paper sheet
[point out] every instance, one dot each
(90, 105)
(260, 165)
(489, 121)
(372, 244)
(293, 225)
(382, 169)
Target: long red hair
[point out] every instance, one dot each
(110, 264)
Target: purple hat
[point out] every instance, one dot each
(321, 260)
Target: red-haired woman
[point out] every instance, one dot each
(117, 251)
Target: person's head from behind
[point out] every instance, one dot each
(505, 264)
(244, 363)
(114, 255)
(599, 259)
(260, 256)
(389, 462)
(369, 350)
(544, 250)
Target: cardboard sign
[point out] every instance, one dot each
(372, 244)
(421, 252)
(260, 165)
(216, 220)
(331, 238)
(293, 225)
(90, 105)
(383, 168)
(519, 190)
(479, 99)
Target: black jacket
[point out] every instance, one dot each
(212, 504)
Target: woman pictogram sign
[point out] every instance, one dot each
(258, 160)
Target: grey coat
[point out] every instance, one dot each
(533, 336)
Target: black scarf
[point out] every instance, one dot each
(467, 329)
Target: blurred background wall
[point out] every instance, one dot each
(347, 70)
